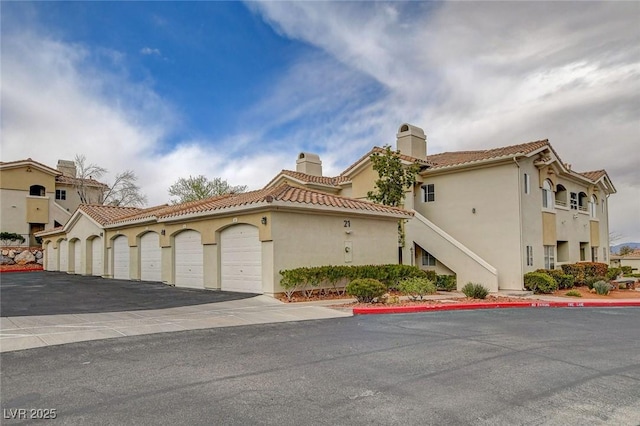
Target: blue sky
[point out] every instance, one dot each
(237, 90)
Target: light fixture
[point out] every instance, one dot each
(263, 220)
(101, 234)
(473, 210)
(163, 232)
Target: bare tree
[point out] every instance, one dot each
(124, 191)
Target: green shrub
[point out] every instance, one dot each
(602, 287)
(539, 282)
(416, 288)
(563, 280)
(475, 291)
(590, 281)
(583, 270)
(446, 282)
(626, 270)
(612, 273)
(573, 293)
(366, 289)
(10, 238)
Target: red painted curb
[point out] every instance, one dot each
(21, 270)
(487, 305)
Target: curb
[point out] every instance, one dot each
(21, 270)
(470, 306)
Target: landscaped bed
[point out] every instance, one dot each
(20, 268)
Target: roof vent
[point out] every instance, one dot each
(412, 141)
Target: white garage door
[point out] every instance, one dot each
(150, 257)
(52, 265)
(121, 258)
(189, 257)
(241, 259)
(63, 249)
(96, 257)
(77, 258)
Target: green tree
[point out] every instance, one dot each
(199, 188)
(393, 177)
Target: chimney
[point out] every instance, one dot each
(309, 164)
(412, 141)
(68, 168)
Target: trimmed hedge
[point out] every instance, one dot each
(583, 270)
(309, 279)
(563, 280)
(539, 282)
(446, 282)
(366, 290)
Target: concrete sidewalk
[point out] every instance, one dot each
(25, 332)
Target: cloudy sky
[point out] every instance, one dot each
(237, 90)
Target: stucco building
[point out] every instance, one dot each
(34, 196)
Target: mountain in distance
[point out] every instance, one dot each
(617, 247)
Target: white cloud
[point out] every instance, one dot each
(150, 51)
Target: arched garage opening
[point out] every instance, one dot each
(52, 263)
(241, 259)
(75, 261)
(150, 257)
(188, 259)
(120, 258)
(63, 255)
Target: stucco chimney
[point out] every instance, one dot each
(309, 164)
(412, 141)
(67, 167)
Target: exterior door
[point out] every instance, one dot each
(63, 249)
(77, 257)
(121, 258)
(241, 259)
(52, 263)
(189, 260)
(150, 257)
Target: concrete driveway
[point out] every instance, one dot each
(55, 293)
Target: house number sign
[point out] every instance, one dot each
(347, 224)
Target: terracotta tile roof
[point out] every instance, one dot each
(74, 181)
(306, 178)
(49, 231)
(283, 193)
(29, 160)
(378, 150)
(446, 159)
(105, 214)
(594, 175)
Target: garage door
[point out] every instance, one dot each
(63, 249)
(241, 259)
(150, 257)
(189, 260)
(96, 257)
(77, 258)
(52, 265)
(121, 258)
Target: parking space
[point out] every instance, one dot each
(54, 293)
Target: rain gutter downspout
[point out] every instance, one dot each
(520, 219)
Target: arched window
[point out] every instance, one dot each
(582, 201)
(37, 190)
(561, 196)
(547, 197)
(592, 205)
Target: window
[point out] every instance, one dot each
(427, 259)
(594, 254)
(37, 190)
(574, 201)
(561, 196)
(582, 202)
(429, 192)
(61, 194)
(529, 255)
(584, 249)
(604, 254)
(547, 201)
(527, 183)
(549, 257)
(592, 206)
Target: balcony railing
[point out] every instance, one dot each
(582, 208)
(561, 203)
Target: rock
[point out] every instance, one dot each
(24, 258)
(12, 254)
(38, 255)
(6, 260)
(40, 261)
(5, 252)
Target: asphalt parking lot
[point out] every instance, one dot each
(54, 293)
(490, 367)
